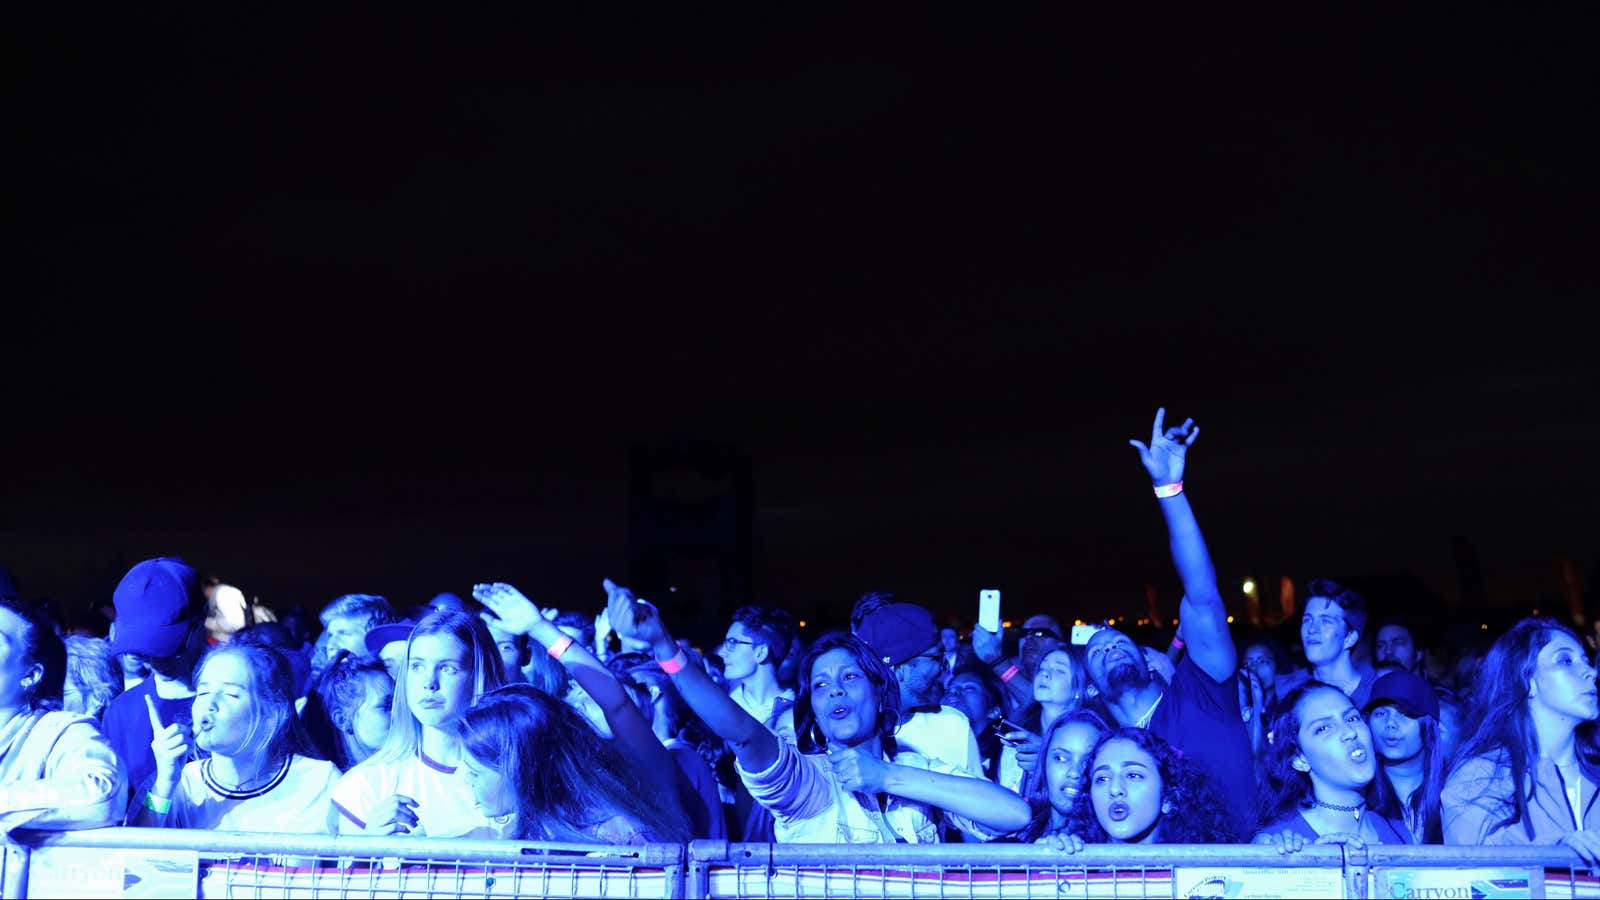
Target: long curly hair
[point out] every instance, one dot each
(1035, 787)
(1287, 789)
(1505, 735)
(879, 675)
(565, 777)
(1195, 812)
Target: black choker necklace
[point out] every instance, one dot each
(1354, 811)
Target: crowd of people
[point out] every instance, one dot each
(489, 716)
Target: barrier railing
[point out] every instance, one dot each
(158, 862)
(139, 862)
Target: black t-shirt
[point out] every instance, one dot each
(1201, 718)
(126, 724)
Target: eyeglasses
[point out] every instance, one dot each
(1040, 633)
(727, 641)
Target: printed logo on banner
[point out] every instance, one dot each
(1458, 884)
(1240, 883)
(69, 873)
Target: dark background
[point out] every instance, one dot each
(367, 300)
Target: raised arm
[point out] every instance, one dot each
(629, 726)
(1202, 612)
(755, 747)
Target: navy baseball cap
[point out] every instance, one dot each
(381, 636)
(157, 602)
(898, 631)
(1406, 692)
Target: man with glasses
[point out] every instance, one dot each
(755, 644)
(905, 637)
(1041, 634)
(161, 618)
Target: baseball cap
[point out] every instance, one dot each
(381, 636)
(157, 603)
(898, 631)
(1406, 692)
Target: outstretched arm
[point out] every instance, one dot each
(1202, 612)
(979, 800)
(517, 613)
(755, 747)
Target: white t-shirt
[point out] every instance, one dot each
(444, 798)
(764, 712)
(301, 802)
(944, 735)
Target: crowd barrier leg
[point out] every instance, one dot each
(1356, 873)
(13, 871)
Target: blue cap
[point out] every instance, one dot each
(157, 602)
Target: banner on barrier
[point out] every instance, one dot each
(1457, 884)
(1242, 883)
(70, 873)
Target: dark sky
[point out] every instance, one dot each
(368, 300)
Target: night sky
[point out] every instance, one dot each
(358, 300)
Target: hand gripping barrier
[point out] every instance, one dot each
(139, 862)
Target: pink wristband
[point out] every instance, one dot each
(1163, 491)
(560, 647)
(1009, 674)
(674, 665)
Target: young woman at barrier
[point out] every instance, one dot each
(542, 773)
(415, 784)
(1404, 717)
(1053, 787)
(1141, 791)
(1528, 773)
(255, 776)
(1320, 766)
(57, 771)
(846, 782)
(347, 710)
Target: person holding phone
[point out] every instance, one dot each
(847, 780)
(1197, 711)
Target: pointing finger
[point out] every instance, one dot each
(155, 718)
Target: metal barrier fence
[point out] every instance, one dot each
(139, 862)
(159, 862)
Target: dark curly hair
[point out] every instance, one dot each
(1196, 812)
(1287, 788)
(881, 677)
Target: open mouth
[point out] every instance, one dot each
(1359, 754)
(839, 712)
(204, 724)
(1117, 811)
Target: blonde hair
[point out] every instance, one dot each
(488, 673)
